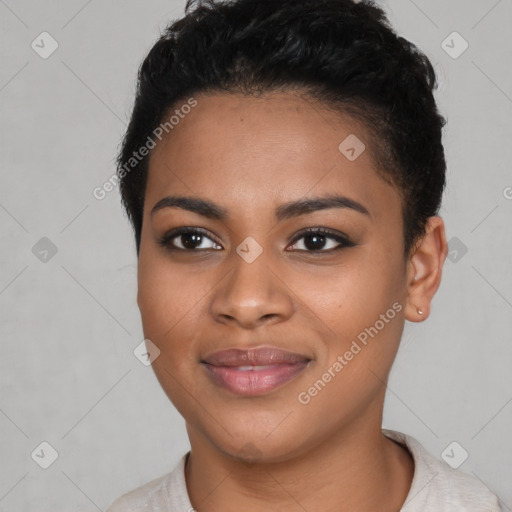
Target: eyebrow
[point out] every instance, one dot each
(284, 211)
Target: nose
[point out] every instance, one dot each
(251, 295)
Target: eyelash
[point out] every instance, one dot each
(344, 242)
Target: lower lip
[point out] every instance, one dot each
(254, 382)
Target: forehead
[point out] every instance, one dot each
(250, 152)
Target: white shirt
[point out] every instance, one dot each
(435, 487)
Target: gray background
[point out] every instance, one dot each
(69, 324)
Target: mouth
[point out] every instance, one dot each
(254, 372)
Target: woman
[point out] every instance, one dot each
(283, 171)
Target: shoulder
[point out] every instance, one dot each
(165, 493)
(146, 497)
(436, 486)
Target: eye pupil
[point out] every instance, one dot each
(318, 241)
(196, 240)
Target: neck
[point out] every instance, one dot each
(356, 469)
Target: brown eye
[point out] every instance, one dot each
(188, 239)
(316, 240)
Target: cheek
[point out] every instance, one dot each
(160, 292)
(171, 303)
(166, 322)
(351, 293)
(363, 303)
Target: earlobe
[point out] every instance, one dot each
(425, 270)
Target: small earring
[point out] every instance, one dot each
(420, 312)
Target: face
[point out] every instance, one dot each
(248, 274)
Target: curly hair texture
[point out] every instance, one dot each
(341, 53)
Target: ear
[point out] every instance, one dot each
(424, 270)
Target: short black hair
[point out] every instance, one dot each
(342, 53)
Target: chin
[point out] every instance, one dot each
(255, 439)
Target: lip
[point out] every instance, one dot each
(254, 371)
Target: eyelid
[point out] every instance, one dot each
(165, 240)
(341, 238)
(323, 231)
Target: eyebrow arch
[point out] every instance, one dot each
(285, 211)
(312, 204)
(192, 204)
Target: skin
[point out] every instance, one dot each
(272, 452)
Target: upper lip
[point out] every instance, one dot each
(261, 356)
